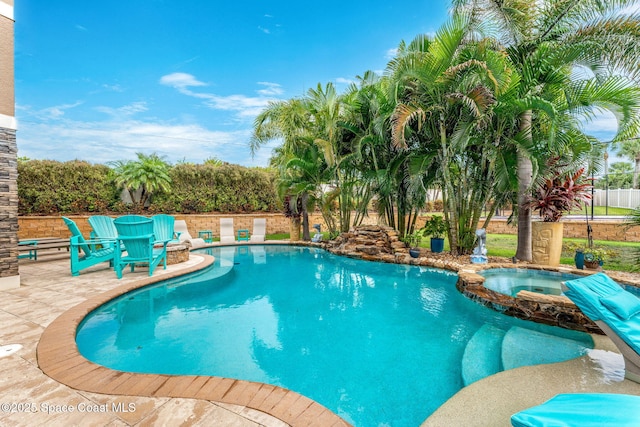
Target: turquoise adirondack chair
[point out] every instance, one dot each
(163, 229)
(135, 232)
(90, 256)
(102, 228)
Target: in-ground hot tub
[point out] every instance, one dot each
(510, 281)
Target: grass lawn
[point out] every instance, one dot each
(627, 256)
(602, 211)
(627, 253)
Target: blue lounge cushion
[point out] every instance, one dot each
(623, 304)
(587, 293)
(582, 409)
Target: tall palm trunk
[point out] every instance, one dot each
(636, 171)
(525, 177)
(306, 235)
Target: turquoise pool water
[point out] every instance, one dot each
(379, 344)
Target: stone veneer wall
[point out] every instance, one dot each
(8, 205)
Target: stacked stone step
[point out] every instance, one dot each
(372, 242)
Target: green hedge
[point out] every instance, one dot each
(47, 187)
(226, 188)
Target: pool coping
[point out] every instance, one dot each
(58, 357)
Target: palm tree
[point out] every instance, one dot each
(620, 175)
(548, 38)
(301, 175)
(148, 175)
(316, 118)
(383, 167)
(446, 92)
(631, 149)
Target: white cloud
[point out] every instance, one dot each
(270, 89)
(264, 30)
(246, 107)
(125, 111)
(118, 139)
(55, 112)
(81, 28)
(391, 53)
(342, 80)
(180, 81)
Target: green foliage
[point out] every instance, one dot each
(591, 253)
(218, 188)
(48, 187)
(435, 227)
(148, 175)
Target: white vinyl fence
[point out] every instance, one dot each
(625, 198)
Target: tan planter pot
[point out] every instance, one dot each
(294, 230)
(546, 242)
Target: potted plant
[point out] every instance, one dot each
(413, 240)
(435, 227)
(591, 257)
(553, 199)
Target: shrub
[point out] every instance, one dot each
(47, 187)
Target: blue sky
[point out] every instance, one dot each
(100, 81)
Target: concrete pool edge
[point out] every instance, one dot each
(58, 357)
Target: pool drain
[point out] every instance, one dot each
(8, 350)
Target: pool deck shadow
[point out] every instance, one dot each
(49, 383)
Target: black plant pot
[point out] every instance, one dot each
(414, 252)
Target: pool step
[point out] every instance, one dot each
(483, 354)
(525, 347)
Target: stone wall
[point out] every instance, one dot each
(33, 227)
(8, 204)
(612, 230)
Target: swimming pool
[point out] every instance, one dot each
(379, 344)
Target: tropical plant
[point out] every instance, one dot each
(545, 40)
(631, 149)
(447, 90)
(559, 195)
(148, 175)
(414, 239)
(591, 252)
(435, 227)
(620, 176)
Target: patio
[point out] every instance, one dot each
(48, 290)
